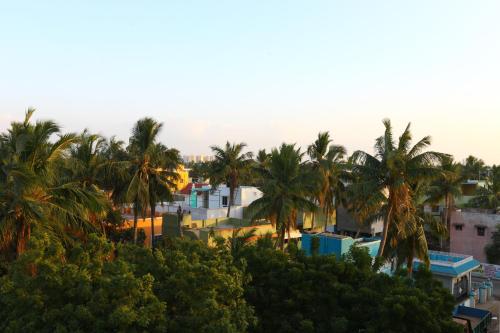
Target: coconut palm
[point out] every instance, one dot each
(153, 170)
(446, 187)
(366, 208)
(262, 158)
(230, 164)
(473, 168)
(393, 170)
(286, 191)
(33, 195)
(488, 196)
(328, 164)
(408, 237)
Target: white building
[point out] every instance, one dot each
(204, 203)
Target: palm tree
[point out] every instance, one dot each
(328, 163)
(153, 170)
(407, 237)
(33, 195)
(239, 239)
(262, 158)
(473, 168)
(286, 191)
(488, 197)
(229, 166)
(365, 208)
(393, 170)
(446, 188)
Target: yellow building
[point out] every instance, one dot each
(183, 179)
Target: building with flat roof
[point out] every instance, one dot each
(454, 271)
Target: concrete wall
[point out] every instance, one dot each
(467, 241)
(346, 222)
(145, 224)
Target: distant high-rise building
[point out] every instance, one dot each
(197, 158)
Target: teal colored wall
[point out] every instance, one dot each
(337, 246)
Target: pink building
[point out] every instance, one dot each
(471, 231)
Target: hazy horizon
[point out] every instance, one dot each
(260, 72)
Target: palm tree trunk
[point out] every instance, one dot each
(230, 203)
(21, 240)
(136, 213)
(411, 255)
(385, 229)
(409, 264)
(448, 220)
(153, 211)
(357, 233)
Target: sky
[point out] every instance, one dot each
(261, 72)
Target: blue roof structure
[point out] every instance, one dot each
(449, 264)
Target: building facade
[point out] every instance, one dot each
(471, 231)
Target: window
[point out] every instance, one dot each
(458, 227)
(224, 201)
(480, 231)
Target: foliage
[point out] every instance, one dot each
(153, 170)
(201, 285)
(230, 164)
(32, 193)
(327, 161)
(488, 197)
(321, 294)
(396, 167)
(84, 290)
(286, 191)
(473, 168)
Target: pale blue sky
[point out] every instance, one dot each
(262, 72)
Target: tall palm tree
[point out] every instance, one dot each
(488, 197)
(32, 192)
(286, 191)
(407, 237)
(153, 170)
(328, 163)
(393, 170)
(229, 166)
(446, 187)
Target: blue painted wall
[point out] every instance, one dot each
(337, 246)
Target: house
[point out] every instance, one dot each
(203, 202)
(347, 225)
(454, 271)
(471, 231)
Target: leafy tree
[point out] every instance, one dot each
(228, 167)
(322, 294)
(84, 290)
(202, 287)
(286, 191)
(393, 170)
